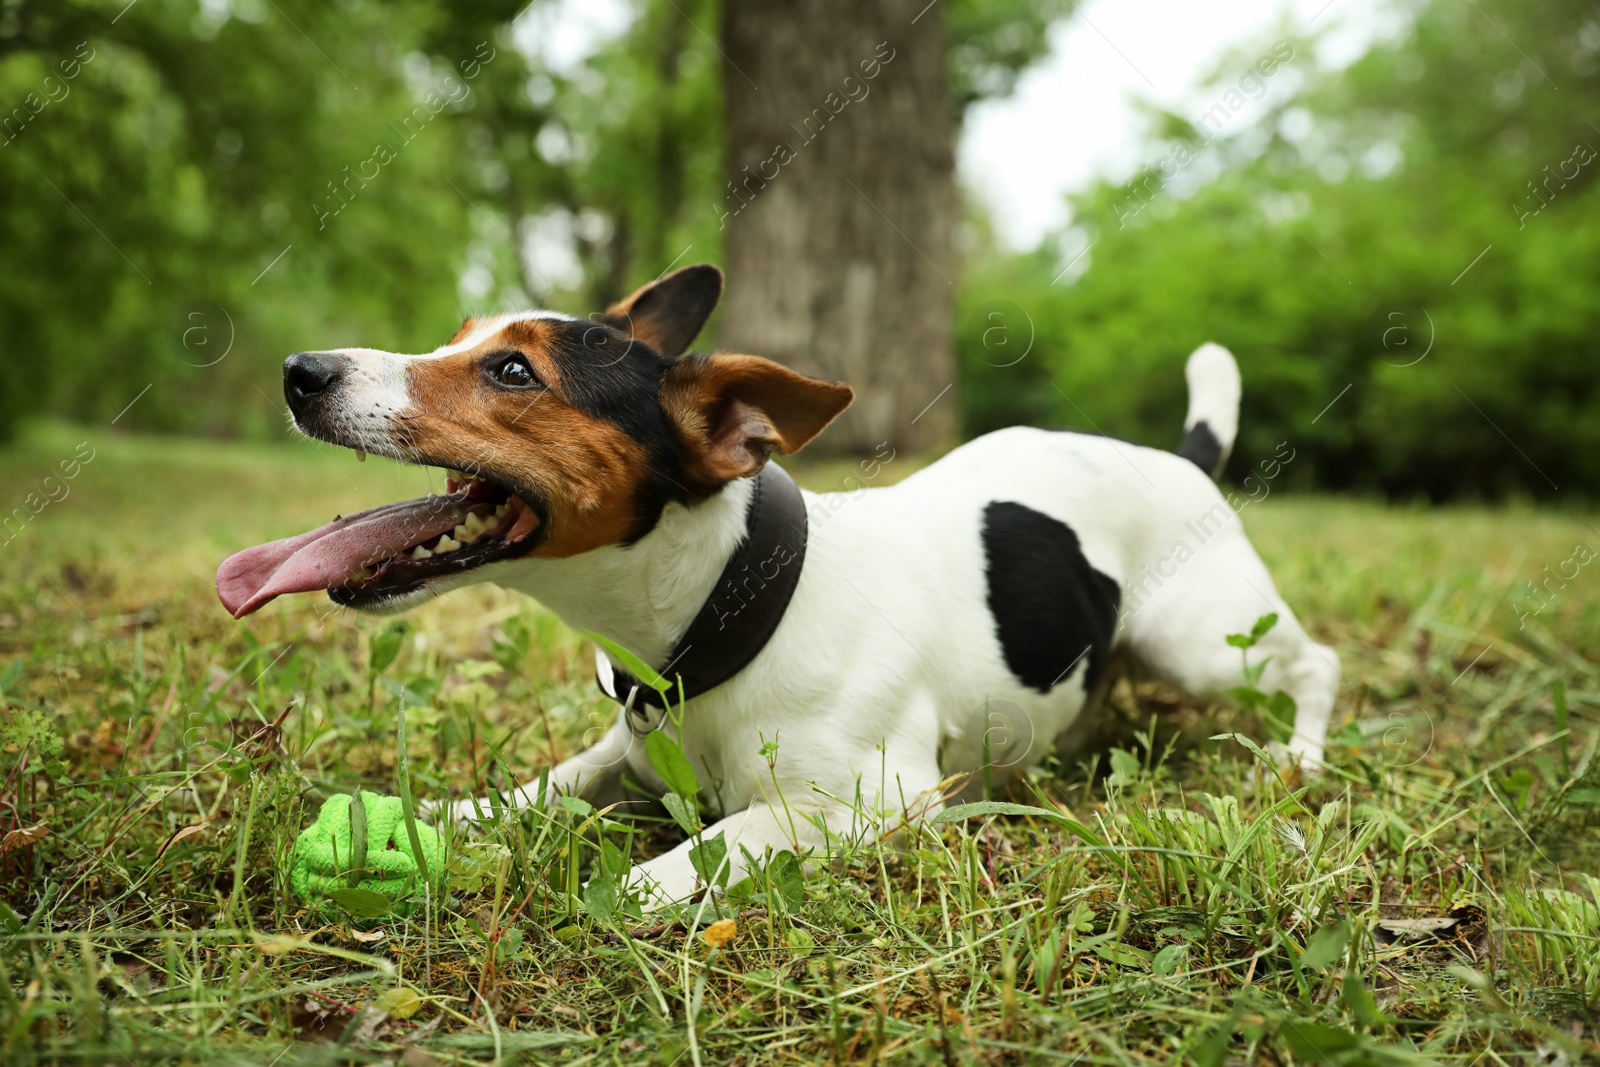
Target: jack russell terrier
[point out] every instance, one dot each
(869, 636)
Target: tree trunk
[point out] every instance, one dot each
(840, 214)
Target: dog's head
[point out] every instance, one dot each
(560, 435)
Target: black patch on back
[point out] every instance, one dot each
(1201, 447)
(1050, 605)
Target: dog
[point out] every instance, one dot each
(598, 468)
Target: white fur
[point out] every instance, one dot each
(370, 406)
(885, 675)
(1214, 389)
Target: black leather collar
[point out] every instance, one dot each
(744, 608)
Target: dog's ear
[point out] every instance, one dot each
(668, 314)
(734, 411)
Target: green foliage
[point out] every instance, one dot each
(683, 811)
(181, 152)
(981, 808)
(1277, 708)
(671, 764)
(993, 41)
(1326, 238)
(386, 646)
(1326, 947)
(709, 858)
(631, 662)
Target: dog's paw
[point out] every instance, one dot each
(664, 881)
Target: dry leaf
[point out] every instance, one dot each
(1463, 928)
(1418, 927)
(368, 937)
(179, 835)
(720, 932)
(27, 835)
(373, 1025)
(277, 946)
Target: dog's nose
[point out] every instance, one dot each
(305, 374)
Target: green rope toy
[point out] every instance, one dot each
(329, 857)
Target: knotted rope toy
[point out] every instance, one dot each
(332, 855)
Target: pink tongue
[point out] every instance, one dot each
(333, 554)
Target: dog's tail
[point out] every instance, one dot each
(1213, 419)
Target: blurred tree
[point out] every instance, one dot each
(611, 157)
(191, 191)
(840, 209)
(633, 158)
(1401, 254)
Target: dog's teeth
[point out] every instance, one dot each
(445, 545)
(420, 552)
(464, 535)
(361, 455)
(477, 526)
(500, 512)
(363, 574)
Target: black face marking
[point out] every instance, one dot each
(1050, 606)
(670, 313)
(610, 376)
(1201, 447)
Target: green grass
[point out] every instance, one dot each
(1207, 912)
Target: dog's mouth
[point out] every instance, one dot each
(386, 552)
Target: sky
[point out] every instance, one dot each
(1103, 60)
(1107, 56)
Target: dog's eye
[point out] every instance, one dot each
(515, 372)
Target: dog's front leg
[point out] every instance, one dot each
(594, 774)
(800, 827)
(671, 876)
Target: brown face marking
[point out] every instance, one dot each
(467, 326)
(586, 471)
(607, 423)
